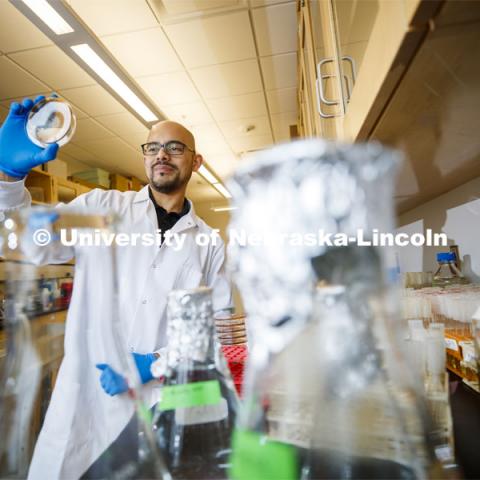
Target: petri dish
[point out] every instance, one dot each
(51, 121)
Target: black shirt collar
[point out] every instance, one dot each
(172, 215)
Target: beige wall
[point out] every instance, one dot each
(456, 213)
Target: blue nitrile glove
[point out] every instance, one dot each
(113, 383)
(18, 155)
(143, 363)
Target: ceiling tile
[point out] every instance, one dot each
(199, 190)
(224, 164)
(276, 29)
(279, 71)
(114, 16)
(284, 100)
(123, 124)
(188, 114)
(76, 111)
(53, 67)
(130, 49)
(227, 79)
(281, 125)
(246, 127)
(116, 156)
(17, 32)
(135, 139)
(212, 40)
(94, 100)
(88, 129)
(169, 88)
(77, 152)
(208, 138)
(263, 3)
(245, 144)
(174, 8)
(16, 82)
(240, 106)
(212, 149)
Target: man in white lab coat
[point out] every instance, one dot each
(82, 419)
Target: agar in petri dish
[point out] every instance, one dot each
(51, 121)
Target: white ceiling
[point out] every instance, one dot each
(224, 68)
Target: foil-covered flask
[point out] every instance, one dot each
(328, 393)
(194, 419)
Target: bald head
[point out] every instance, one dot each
(172, 131)
(169, 173)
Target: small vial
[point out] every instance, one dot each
(51, 121)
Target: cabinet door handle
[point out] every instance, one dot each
(320, 92)
(321, 77)
(351, 61)
(319, 88)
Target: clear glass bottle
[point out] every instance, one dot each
(34, 351)
(447, 272)
(328, 393)
(194, 420)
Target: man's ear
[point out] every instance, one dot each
(197, 162)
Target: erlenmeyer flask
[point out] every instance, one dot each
(194, 419)
(75, 436)
(323, 363)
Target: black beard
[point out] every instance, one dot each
(167, 187)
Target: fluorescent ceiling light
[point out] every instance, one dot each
(86, 53)
(222, 190)
(207, 175)
(49, 15)
(223, 209)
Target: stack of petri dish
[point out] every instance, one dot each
(231, 329)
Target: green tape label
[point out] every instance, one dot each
(144, 413)
(190, 395)
(256, 458)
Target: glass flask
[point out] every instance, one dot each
(447, 272)
(51, 121)
(194, 420)
(42, 413)
(328, 393)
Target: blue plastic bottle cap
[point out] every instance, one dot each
(446, 257)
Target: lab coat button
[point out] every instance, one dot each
(144, 301)
(154, 266)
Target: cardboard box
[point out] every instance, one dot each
(136, 184)
(119, 182)
(94, 176)
(57, 167)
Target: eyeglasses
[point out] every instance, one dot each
(174, 147)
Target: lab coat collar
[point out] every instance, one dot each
(187, 221)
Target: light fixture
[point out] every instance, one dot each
(49, 16)
(86, 53)
(222, 190)
(223, 209)
(207, 174)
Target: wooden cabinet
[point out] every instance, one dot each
(53, 189)
(361, 51)
(414, 84)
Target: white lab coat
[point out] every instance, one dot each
(82, 421)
